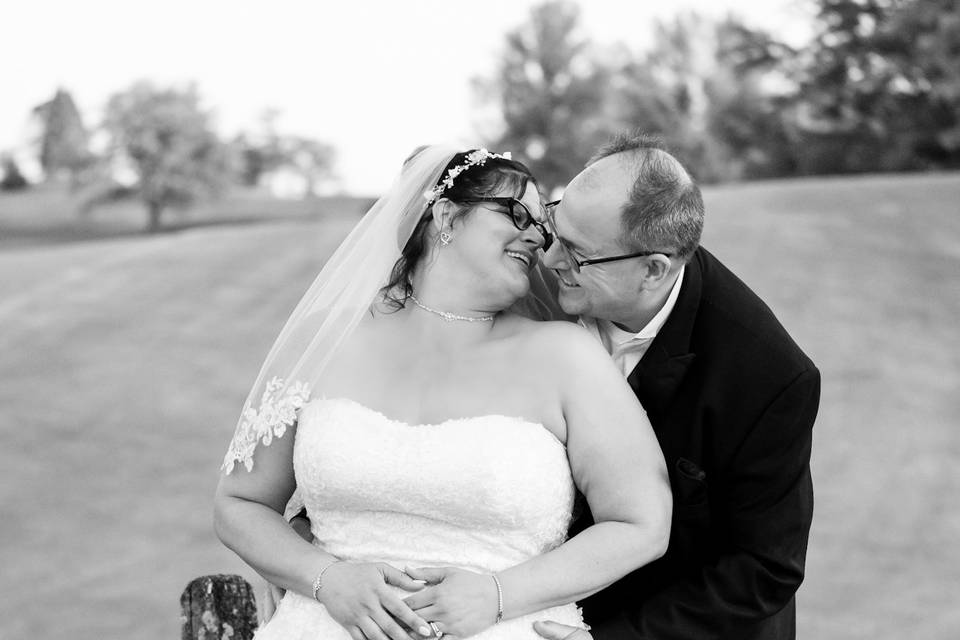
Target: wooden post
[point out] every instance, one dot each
(220, 607)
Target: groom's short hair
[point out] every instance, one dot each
(664, 210)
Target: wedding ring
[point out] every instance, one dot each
(436, 630)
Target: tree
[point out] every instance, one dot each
(254, 159)
(167, 140)
(266, 150)
(880, 88)
(551, 94)
(12, 179)
(928, 39)
(312, 159)
(699, 87)
(561, 99)
(260, 152)
(746, 92)
(64, 142)
(666, 92)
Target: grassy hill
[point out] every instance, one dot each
(126, 358)
(49, 214)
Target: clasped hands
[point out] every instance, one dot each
(462, 603)
(459, 603)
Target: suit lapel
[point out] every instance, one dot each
(658, 374)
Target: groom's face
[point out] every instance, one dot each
(588, 222)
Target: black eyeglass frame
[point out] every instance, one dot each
(522, 224)
(576, 263)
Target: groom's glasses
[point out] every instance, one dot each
(575, 262)
(518, 214)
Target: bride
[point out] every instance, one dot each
(425, 423)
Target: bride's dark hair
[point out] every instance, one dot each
(476, 181)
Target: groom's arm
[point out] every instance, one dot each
(771, 498)
(301, 524)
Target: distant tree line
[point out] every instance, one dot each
(877, 89)
(165, 142)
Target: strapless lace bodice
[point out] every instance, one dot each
(482, 493)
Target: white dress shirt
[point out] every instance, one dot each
(627, 348)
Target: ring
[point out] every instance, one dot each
(436, 630)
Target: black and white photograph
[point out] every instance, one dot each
(502, 320)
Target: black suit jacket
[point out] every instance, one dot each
(732, 399)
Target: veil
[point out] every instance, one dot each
(333, 305)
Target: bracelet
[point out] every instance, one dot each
(318, 581)
(499, 598)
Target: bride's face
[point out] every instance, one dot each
(496, 257)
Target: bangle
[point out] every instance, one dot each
(318, 581)
(499, 598)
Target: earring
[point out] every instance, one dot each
(445, 237)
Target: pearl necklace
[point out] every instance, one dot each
(450, 317)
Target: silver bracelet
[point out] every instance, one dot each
(499, 598)
(318, 581)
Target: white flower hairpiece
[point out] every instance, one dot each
(476, 158)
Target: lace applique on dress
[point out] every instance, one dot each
(278, 410)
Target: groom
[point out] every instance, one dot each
(730, 395)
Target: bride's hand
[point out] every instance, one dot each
(357, 596)
(460, 602)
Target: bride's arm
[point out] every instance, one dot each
(618, 465)
(248, 518)
(248, 509)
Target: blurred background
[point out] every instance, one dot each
(173, 175)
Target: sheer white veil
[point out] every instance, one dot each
(333, 305)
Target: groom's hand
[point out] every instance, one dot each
(556, 631)
(269, 601)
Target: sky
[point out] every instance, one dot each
(374, 78)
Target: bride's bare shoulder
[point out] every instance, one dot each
(555, 332)
(561, 344)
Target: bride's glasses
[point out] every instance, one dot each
(518, 214)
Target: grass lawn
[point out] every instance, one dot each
(126, 358)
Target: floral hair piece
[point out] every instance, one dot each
(476, 158)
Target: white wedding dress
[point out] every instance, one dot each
(481, 493)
